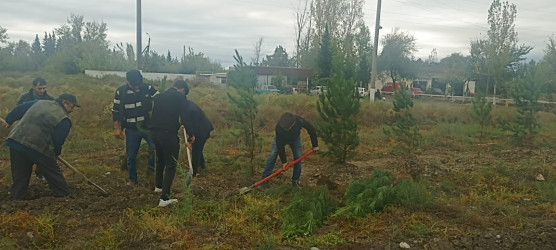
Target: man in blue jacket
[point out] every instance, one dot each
(37, 139)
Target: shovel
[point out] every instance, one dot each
(244, 190)
(82, 175)
(189, 174)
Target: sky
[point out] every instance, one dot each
(218, 27)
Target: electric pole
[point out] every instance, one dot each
(139, 45)
(375, 51)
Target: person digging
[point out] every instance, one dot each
(288, 131)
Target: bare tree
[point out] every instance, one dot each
(303, 25)
(257, 56)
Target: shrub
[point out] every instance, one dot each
(307, 212)
(373, 195)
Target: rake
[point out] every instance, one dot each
(244, 190)
(82, 175)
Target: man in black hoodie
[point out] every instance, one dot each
(198, 129)
(288, 130)
(167, 117)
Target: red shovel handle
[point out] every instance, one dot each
(284, 168)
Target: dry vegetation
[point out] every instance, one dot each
(482, 195)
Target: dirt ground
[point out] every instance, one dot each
(88, 209)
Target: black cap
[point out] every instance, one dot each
(181, 84)
(134, 77)
(69, 98)
(286, 120)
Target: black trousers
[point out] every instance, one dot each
(167, 146)
(22, 167)
(198, 159)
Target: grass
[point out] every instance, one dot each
(464, 185)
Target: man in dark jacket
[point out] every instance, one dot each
(131, 112)
(288, 130)
(167, 117)
(198, 129)
(37, 139)
(37, 92)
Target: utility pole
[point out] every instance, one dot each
(139, 45)
(375, 51)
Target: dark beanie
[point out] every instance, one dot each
(181, 84)
(286, 120)
(134, 77)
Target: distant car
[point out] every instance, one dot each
(317, 90)
(417, 91)
(362, 92)
(267, 89)
(435, 91)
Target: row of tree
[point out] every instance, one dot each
(79, 45)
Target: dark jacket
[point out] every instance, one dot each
(132, 109)
(197, 124)
(284, 137)
(168, 108)
(30, 96)
(43, 127)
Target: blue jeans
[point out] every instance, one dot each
(295, 146)
(132, 144)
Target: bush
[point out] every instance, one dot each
(373, 195)
(307, 212)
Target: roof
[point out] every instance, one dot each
(289, 72)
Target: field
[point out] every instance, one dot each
(482, 193)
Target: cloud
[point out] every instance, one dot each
(217, 27)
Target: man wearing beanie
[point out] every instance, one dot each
(167, 117)
(37, 139)
(288, 131)
(131, 115)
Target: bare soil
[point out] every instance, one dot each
(87, 210)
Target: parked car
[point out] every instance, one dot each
(390, 87)
(435, 91)
(417, 91)
(267, 89)
(317, 90)
(362, 92)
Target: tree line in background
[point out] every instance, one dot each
(330, 37)
(79, 45)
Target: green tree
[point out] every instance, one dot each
(363, 42)
(481, 113)
(325, 56)
(397, 55)
(500, 51)
(278, 59)
(49, 43)
(338, 108)
(3, 35)
(244, 108)
(404, 126)
(526, 94)
(547, 68)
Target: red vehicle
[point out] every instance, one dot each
(390, 87)
(417, 91)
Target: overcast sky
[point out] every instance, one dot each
(217, 27)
